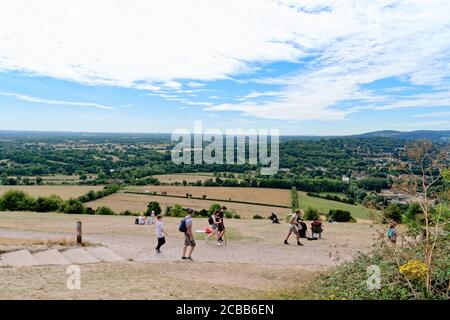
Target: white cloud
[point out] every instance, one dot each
(433, 114)
(154, 45)
(27, 98)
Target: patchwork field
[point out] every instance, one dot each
(64, 192)
(280, 197)
(138, 202)
(254, 262)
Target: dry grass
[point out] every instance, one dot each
(188, 177)
(64, 192)
(137, 202)
(45, 242)
(258, 195)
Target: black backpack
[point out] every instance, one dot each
(182, 226)
(211, 220)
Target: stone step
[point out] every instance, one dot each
(51, 257)
(105, 254)
(20, 258)
(79, 255)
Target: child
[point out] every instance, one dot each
(160, 233)
(392, 233)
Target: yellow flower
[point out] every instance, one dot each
(414, 269)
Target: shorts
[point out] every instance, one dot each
(214, 226)
(188, 242)
(220, 227)
(293, 228)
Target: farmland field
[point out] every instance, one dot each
(188, 177)
(280, 197)
(64, 192)
(138, 202)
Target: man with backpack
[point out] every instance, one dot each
(189, 241)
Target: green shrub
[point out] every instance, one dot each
(104, 211)
(176, 211)
(129, 213)
(214, 207)
(153, 206)
(74, 206)
(393, 212)
(339, 215)
(311, 213)
(236, 216)
(15, 200)
(228, 215)
(339, 285)
(257, 216)
(48, 204)
(89, 210)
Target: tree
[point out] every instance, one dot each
(15, 200)
(393, 213)
(153, 206)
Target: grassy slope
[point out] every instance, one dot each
(324, 205)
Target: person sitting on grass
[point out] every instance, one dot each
(316, 228)
(274, 218)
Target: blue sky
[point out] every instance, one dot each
(303, 67)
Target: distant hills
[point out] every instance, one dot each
(435, 135)
(411, 135)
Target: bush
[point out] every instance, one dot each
(339, 285)
(15, 200)
(214, 207)
(228, 215)
(129, 213)
(176, 211)
(104, 211)
(153, 206)
(89, 210)
(311, 213)
(74, 206)
(236, 216)
(339, 215)
(257, 216)
(48, 204)
(393, 212)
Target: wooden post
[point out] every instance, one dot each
(79, 233)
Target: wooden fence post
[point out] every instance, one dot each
(79, 233)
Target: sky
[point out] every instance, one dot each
(306, 67)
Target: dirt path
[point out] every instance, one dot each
(254, 261)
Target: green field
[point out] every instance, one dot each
(324, 206)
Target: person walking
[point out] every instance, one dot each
(293, 227)
(160, 234)
(189, 241)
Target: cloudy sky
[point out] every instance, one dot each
(313, 67)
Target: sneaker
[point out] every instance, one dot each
(184, 258)
(218, 243)
(285, 242)
(299, 243)
(189, 258)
